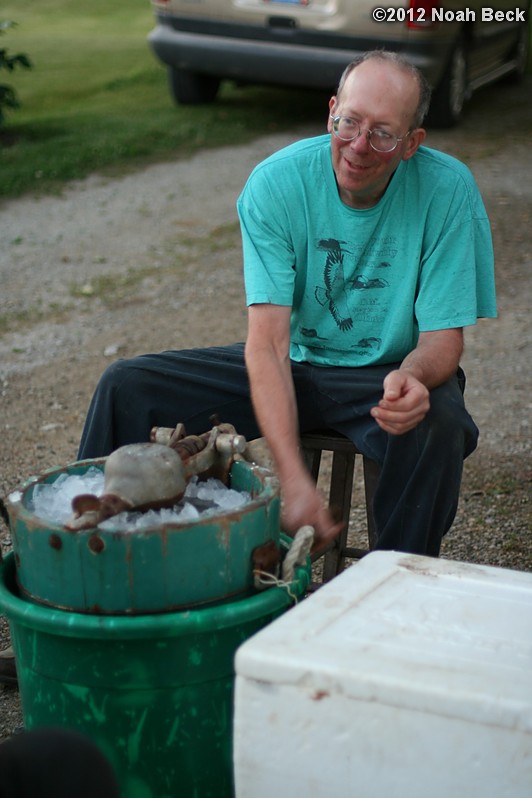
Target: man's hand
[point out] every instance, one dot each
(404, 404)
(405, 401)
(302, 505)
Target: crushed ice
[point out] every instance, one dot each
(52, 501)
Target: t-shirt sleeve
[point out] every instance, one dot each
(269, 261)
(456, 280)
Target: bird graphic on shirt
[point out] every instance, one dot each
(334, 294)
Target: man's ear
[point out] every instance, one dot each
(415, 140)
(332, 106)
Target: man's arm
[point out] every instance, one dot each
(406, 400)
(274, 402)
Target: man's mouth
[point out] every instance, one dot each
(356, 167)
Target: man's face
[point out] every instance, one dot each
(380, 95)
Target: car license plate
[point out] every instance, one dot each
(289, 2)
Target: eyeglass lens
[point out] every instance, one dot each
(349, 130)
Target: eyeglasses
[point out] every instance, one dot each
(348, 129)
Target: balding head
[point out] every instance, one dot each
(397, 62)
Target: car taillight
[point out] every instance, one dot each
(420, 14)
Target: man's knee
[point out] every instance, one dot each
(118, 373)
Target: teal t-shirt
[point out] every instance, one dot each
(362, 284)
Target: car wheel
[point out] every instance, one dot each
(521, 54)
(450, 95)
(192, 88)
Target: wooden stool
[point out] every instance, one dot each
(340, 491)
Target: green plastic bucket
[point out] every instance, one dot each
(154, 692)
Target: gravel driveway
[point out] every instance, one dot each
(116, 267)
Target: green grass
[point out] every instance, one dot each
(97, 98)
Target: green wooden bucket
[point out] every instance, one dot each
(159, 569)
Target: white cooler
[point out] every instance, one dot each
(404, 677)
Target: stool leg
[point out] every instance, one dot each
(343, 467)
(371, 476)
(312, 458)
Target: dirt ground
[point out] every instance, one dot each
(149, 261)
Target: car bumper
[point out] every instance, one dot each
(251, 61)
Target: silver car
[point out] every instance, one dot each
(307, 43)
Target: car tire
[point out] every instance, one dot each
(450, 95)
(521, 53)
(192, 88)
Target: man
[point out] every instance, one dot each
(365, 255)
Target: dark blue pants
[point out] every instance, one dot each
(421, 471)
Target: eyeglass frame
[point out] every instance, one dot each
(336, 119)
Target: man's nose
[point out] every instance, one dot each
(361, 143)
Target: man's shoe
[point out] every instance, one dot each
(8, 668)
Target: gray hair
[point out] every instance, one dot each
(401, 62)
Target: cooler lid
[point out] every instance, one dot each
(427, 634)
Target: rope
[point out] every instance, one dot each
(296, 555)
(263, 579)
(298, 552)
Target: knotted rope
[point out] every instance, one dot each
(296, 555)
